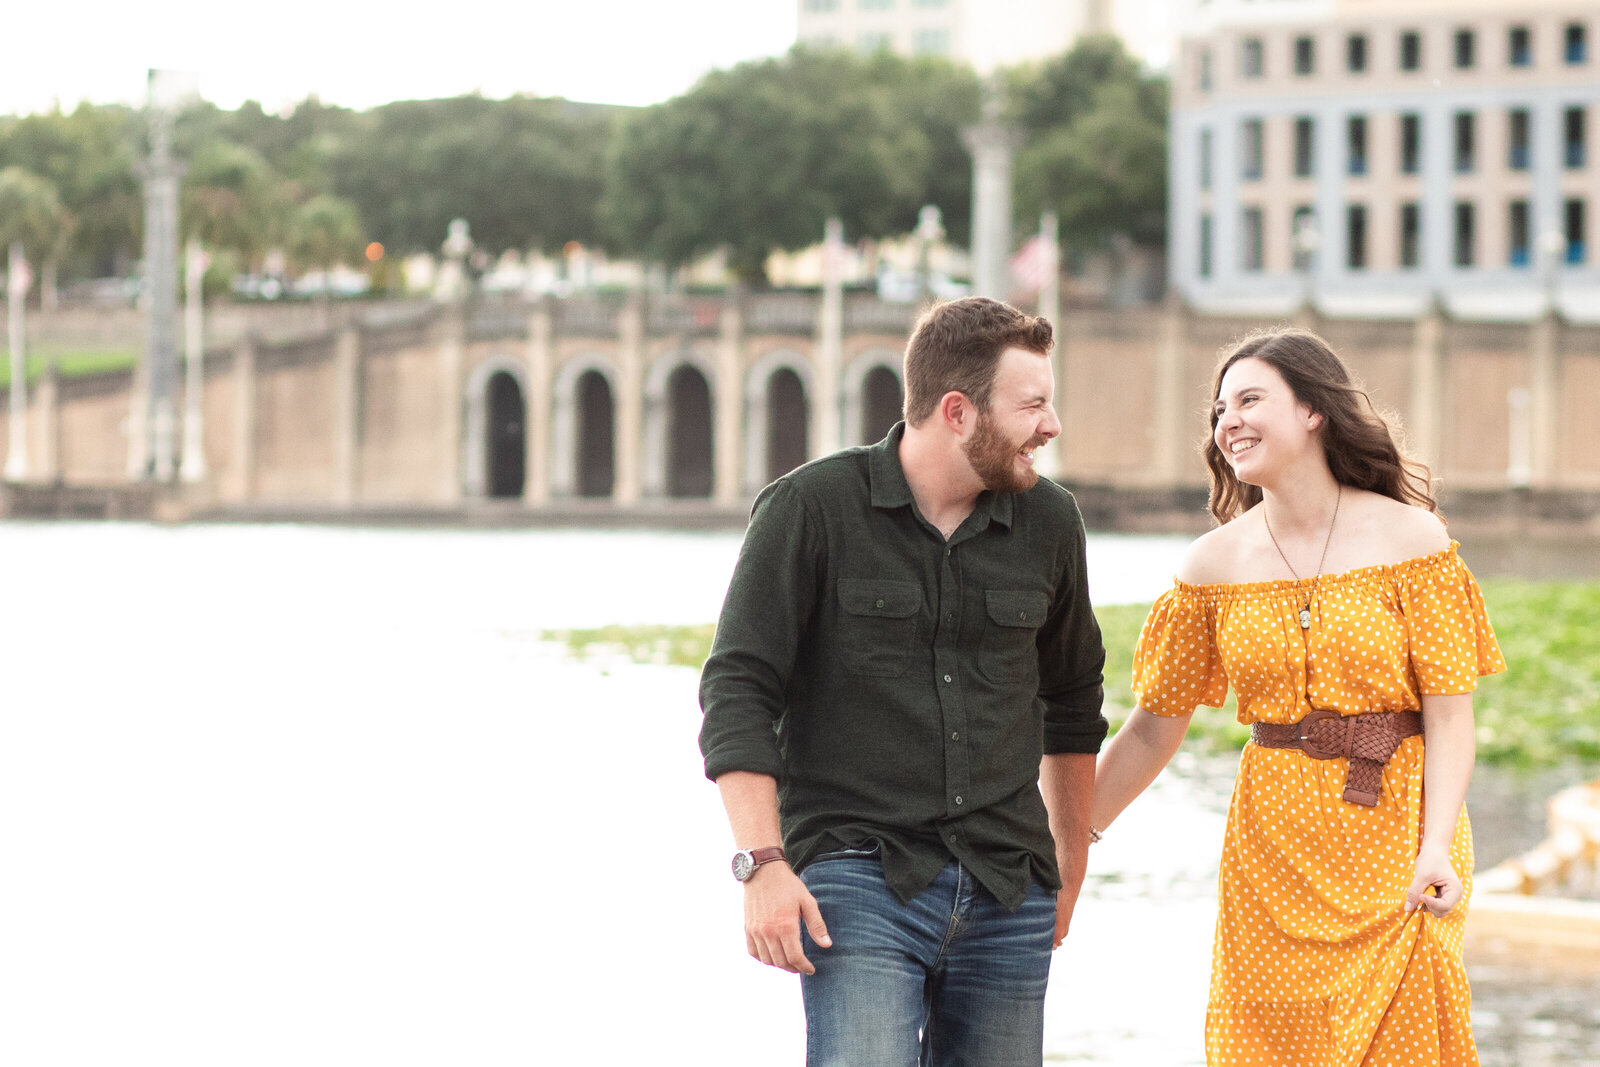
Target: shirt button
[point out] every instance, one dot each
(1023, 615)
(958, 802)
(880, 603)
(947, 551)
(955, 735)
(947, 677)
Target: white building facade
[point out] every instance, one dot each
(1372, 156)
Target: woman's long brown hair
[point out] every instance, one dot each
(1359, 441)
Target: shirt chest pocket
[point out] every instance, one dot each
(1009, 651)
(878, 625)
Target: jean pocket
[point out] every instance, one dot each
(867, 851)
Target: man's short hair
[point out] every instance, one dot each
(956, 345)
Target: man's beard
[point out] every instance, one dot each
(994, 458)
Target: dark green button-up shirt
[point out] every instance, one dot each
(900, 687)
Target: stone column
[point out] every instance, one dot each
(192, 468)
(1172, 420)
(1427, 387)
(825, 434)
(346, 416)
(244, 419)
(47, 405)
(630, 403)
(726, 397)
(992, 145)
(541, 325)
(16, 305)
(452, 333)
(1544, 398)
(1054, 459)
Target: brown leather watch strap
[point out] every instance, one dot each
(758, 856)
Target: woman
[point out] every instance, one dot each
(1332, 599)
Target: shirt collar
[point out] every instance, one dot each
(891, 490)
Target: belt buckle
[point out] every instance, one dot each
(1312, 748)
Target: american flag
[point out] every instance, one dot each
(1034, 264)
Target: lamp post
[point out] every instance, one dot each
(1552, 246)
(929, 232)
(1307, 239)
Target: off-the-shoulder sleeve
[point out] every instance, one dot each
(1452, 642)
(1176, 665)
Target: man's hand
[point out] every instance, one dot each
(1065, 902)
(775, 903)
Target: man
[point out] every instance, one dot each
(905, 659)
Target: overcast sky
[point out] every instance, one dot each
(362, 53)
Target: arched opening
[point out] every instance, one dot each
(688, 434)
(787, 435)
(880, 404)
(506, 440)
(596, 458)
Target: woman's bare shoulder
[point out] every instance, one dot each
(1213, 557)
(1398, 531)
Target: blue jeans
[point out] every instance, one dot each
(950, 979)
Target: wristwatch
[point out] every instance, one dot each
(746, 861)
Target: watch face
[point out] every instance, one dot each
(743, 865)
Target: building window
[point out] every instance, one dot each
(1250, 239)
(1410, 235)
(1305, 55)
(1518, 135)
(1303, 233)
(869, 43)
(1355, 53)
(875, 5)
(1466, 47)
(1205, 158)
(1519, 233)
(1574, 120)
(1574, 231)
(1577, 47)
(1251, 63)
(1356, 237)
(1410, 143)
(1205, 70)
(1251, 144)
(1464, 142)
(1304, 147)
(931, 42)
(822, 5)
(1356, 141)
(1411, 50)
(1519, 44)
(930, 3)
(1205, 246)
(1464, 236)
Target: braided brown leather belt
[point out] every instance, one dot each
(1369, 740)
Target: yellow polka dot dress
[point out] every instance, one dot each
(1315, 961)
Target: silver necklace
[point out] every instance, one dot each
(1305, 605)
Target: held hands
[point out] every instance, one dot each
(1434, 872)
(775, 904)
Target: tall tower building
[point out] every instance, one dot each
(1373, 155)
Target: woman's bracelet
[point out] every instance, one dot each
(1094, 835)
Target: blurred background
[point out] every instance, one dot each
(384, 394)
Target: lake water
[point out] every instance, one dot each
(322, 796)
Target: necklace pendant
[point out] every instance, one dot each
(1305, 617)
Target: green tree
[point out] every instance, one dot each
(228, 200)
(88, 156)
(30, 214)
(758, 157)
(1096, 146)
(525, 172)
(325, 232)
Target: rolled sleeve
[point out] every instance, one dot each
(745, 678)
(1072, 660)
